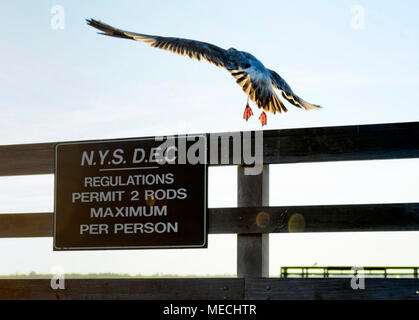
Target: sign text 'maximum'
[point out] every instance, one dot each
(131, 211)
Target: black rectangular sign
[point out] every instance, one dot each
(131, 194)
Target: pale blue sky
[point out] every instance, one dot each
(73, 84)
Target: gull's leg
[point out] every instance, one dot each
(247, 111)
(263, 119)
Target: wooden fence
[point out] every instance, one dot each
(345, 271)
(252, 221)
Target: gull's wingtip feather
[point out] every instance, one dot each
(94, 23)
(90, 21)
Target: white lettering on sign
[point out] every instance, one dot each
(131, 180)
(118, 157)
(94, 229)
(138, 152)
(170, 157)
(154, 152)
(139, 211)
(88, 157)
(148, 227)
(101, 196)
(102, 155)
(121, 194)
(161, 194)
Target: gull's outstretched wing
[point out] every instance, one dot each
(287, 93)
(194, 49)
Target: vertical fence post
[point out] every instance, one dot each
(253, 249)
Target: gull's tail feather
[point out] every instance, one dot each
(262, 96)
(277, 104)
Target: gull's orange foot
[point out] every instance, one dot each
(247, 112)
(263, 119)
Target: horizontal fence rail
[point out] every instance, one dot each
(333, 218)
(360, 142)
(210, 289)
(251, 223)
(330, 289)
(339, 271)
(146, 289)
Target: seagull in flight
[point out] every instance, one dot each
(258, 82)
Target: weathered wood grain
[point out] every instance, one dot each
(23, 225)
(27, 159)
(359, 142)
(252, 249)
(132, 289)
(330, 289)
(327, 218)
(257, 220)
(210, 289)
